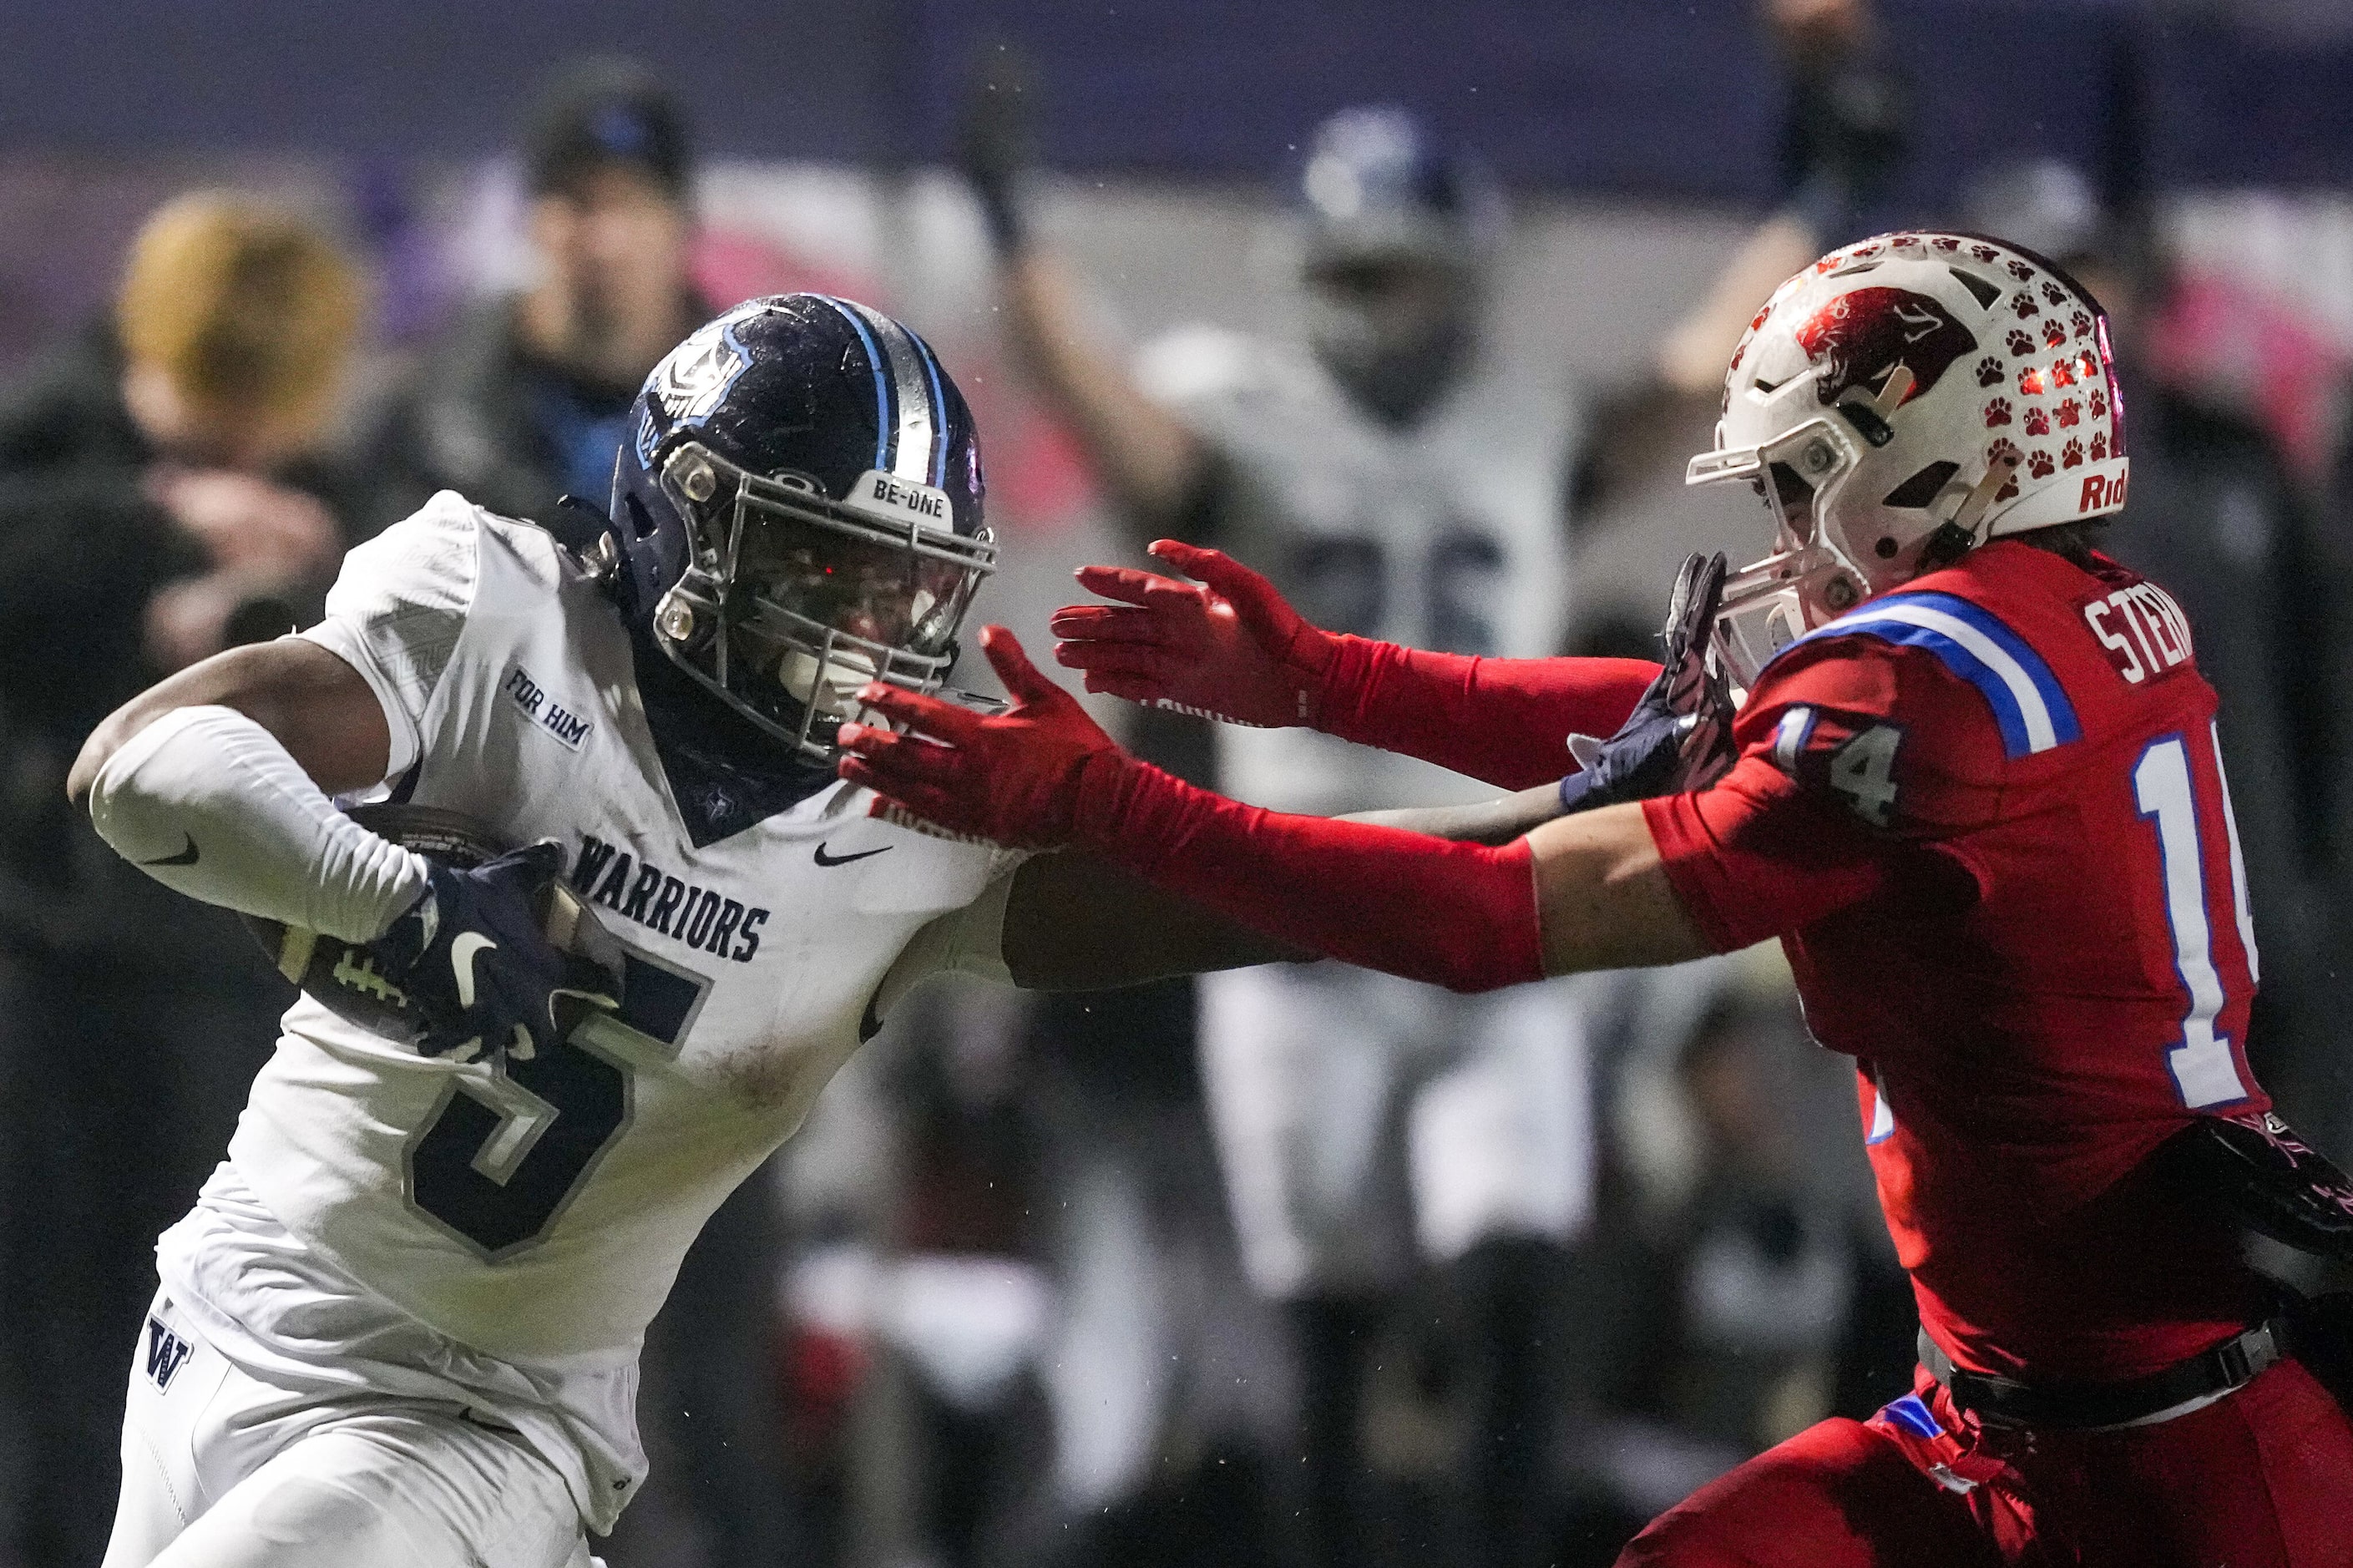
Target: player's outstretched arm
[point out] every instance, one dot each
(1076, 920)
(1228, 646)
(1586, 892)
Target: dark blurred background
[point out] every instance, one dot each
(993, 1305)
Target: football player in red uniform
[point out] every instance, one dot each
(1974, 788)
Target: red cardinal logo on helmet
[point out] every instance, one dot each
(1856, 339)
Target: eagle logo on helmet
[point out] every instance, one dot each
(694, 376)
(1856, 339)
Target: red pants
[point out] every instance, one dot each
(2261, 1479)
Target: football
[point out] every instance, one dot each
(345, 978)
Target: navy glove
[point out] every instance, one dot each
(1679, 736)
(996, 147)
(474, 958)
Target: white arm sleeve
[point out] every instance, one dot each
(969, 941)
(397, 607)
(206, 802)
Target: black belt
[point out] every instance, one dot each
(2232, 1365)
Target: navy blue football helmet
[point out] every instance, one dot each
(797, 511)
(1377, 181)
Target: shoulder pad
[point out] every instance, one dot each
(2028, 704)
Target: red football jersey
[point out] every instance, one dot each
(1986, 816)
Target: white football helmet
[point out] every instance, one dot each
(1908, 389)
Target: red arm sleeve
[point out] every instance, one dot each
(1505, 720)
(1458, 915)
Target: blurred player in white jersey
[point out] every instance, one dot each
(400, 1326)
(1389, 468)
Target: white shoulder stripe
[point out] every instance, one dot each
(2041, 734)
(1789, 738)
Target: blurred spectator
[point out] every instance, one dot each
(523, 400)
(2216, 520)
(160, 497)
(1843, 148)
(1398, 481)
(1844, 134)
(1746, 1284)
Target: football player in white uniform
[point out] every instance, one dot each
(400, 1326)
(1390, 469)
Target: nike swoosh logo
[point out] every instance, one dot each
(464, 947)
(825, 859)
(184, 858)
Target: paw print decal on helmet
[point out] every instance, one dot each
(2038, 421)
(1997, 413)
(2000, 451)
(2072, 457)
(2020, 343)
(2070, 414)
(2038, 464)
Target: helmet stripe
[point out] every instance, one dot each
(874, 362)
(940, 411)
(918, 426)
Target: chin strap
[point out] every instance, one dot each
(1869, 415)
(1980, 501)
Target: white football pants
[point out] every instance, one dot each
(222, 1471)
(1364, 1121)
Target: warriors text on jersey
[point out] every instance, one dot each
(1991, 808)
(499, 1236)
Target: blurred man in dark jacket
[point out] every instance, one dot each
(525, 399)
(158, 502)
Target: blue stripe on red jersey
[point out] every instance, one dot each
(2030, 706)
(1913, 1415)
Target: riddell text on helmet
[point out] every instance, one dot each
(2100, 492)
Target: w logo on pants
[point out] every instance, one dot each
(166, 1353)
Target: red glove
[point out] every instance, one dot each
(1013, 777)
(1226, 647)
(1043, 775)
(1229, 648)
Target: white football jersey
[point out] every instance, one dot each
(514, 1227)
(1447, 533)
